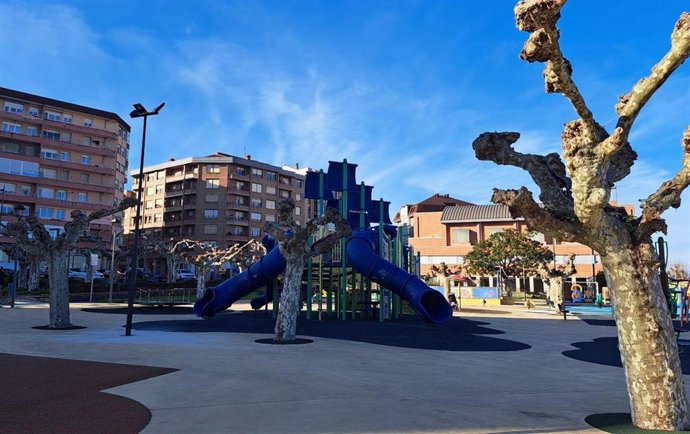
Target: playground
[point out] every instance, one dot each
(502, 369)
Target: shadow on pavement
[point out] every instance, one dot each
(458, 334)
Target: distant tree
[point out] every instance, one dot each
(678, 271)
(510, 251)
(574, 206)
(32, 237)
(553, 277)
(206, 256)
(443, 272)
(295, 245)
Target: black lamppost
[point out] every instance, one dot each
(138, 112)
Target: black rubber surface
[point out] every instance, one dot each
(617, 423)
(604, 351)
(143, 310)
(458, 334)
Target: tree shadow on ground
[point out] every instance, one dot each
(604, 351)
(458, 334)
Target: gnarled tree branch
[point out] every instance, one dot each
(548, 172)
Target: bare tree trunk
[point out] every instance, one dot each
(170, 262)
(34, 273)
(646, 341)
(201, 282)
(59, 289)
(22, 278)
(556, 291)
(286, 323)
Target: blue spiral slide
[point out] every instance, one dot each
(430, 304)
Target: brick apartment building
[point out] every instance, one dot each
(56, 157)
(443, 229)
(220, 198)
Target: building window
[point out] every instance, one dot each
(270, 204)
(14, 108)
(256, 188)
(284, 194)
(298, 183)
(491, 231)
(9, 127)
(61, 195)
(158, 203)
(53, 116)
(65, 156)
(32, 131)
(150, 189)
(298, 210)
(51, 135)
(239, 185)
(255, 217)
(270, 190)
(298, 197)
(47, 173)
(255, 232)
(271, 176)
(44, 213)
(85, 159)
(211, 214)
(48, 193)
(85, 177)
(284, 180)
(256, 203)
(88, 123)
(257, 173)
(241, 171)
(212, 183)
(67, 118)
(82, 197)
(537, 236)
(270, 218)
(8, 188)
(460, 236)
(213, 168)
(27, 190)
(159, 188)
(211, 198)
(158, 218)
(86, 141)
(60, 214)
(210, 229)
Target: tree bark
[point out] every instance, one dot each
(201, 282)
(286, 323)
(34, 273)
(646, 340)
(556, 291)
(59, 290)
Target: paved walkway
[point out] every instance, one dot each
(225, 382)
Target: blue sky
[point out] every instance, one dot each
(399, 87)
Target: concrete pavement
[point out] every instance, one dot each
(228, 383)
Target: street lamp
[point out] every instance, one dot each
(113, 222)
(138, 112)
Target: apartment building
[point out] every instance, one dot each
(220, 198)
(446, 233)
(57, 156)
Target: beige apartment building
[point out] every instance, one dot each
(220, 198)
(56, 157)
(443, 229)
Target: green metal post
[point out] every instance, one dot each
(343, 252)
(309, 287)
(396, 261)
(381, 254)
(329, 291)
(321, 211)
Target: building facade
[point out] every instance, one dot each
(57, 157)
(446, 234)
(220, 198)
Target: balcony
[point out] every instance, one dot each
(173, 193)
(239, 221)
(241, 191)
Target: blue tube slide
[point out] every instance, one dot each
(258, 274)
(430, 304)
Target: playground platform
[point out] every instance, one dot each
(493, 370)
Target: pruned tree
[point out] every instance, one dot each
(206, 256)
(553, 277)
(295, 245)
(443, 273)
(678, 271)
(28, 266)
(34, 239)
(165, 250)
(575, 206)
(510, 252)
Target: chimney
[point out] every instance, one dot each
(247, 157)
(171, 159)
(296, 165)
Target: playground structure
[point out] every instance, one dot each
(373, 272)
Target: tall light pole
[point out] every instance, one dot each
(138, 112)
(113, 222)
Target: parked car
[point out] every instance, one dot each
(183, 274)
(75, 273)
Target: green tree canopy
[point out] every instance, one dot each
(510, 250)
